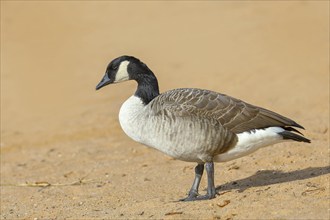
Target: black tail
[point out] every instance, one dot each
(288, 135)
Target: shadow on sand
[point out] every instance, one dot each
(270, 177)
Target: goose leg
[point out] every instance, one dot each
(193, 193)
(211, 192)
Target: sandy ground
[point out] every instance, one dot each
(64, 155)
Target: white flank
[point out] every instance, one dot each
(122, 73)
(249, 142)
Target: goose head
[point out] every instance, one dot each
(125, 68)
(130, 68)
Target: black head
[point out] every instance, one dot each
(122, 69)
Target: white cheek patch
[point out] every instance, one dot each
(122, 74)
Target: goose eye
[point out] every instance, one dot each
(114, 67)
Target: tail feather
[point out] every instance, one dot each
(292, 129)
(287, 134)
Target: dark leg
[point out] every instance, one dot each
(193, 193)
(211, 192)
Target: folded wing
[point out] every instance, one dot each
(233, 114)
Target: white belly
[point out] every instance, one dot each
(248, 142)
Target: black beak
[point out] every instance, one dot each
(105, 81)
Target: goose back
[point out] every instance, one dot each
(233, 114)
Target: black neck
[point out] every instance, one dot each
(147, 88)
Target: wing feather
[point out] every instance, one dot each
(233, 114)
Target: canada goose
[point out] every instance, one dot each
(194, 125)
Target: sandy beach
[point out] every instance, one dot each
(64, 155)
